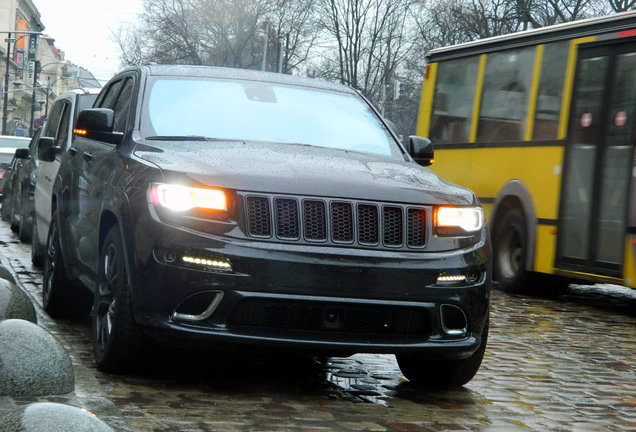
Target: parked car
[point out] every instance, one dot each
(8, 146)
(20, 186)
(58, 129)
(217, 206)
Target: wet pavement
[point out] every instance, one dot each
(566, 364)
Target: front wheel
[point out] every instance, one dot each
(426, 373)
(116, 336)
(6, 210)
(510, 244)
(25, 228)
(37, 249)
(61, 298)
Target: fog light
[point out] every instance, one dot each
(472, 277)
(216, 263)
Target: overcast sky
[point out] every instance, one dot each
(82, 29)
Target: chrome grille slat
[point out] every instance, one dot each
(336, 221)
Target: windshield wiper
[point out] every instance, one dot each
(189, 138)
(176, 138)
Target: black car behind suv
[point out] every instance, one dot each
(217, 206)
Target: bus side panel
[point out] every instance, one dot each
(426, 101)
(537, 167)
(629, 272)
(545, 249)
(451, 165)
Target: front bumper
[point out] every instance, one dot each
(307, 297)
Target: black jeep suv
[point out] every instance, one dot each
(214, 206)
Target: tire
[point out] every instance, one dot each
(60, 297)
(510, 244)
(425, 373)
(15, 222)
(37, 249)
(6, 207)
(25, 229)
(116, 335)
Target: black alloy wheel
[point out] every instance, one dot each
(25, 228)
(13, 215)
(61, 298)
(116, 336)
(5, 212)
(37, 249)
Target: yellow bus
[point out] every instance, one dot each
(540, 124)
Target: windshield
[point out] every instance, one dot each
(263, 112)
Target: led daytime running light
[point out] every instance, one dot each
(451, 278)
(223, 265)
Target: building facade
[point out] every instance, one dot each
(34, 70)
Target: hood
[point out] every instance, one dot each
(303, 170)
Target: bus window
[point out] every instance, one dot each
(506, 90)
(453, 100)
(551, 80)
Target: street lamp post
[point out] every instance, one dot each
(35, 82)
(5, 113)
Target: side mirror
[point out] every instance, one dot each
(97, 124)
(421, 149)
(22, 153)
(47, 149)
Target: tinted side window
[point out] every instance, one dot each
(122, 106)
(53, 121)
(33, 145)
(108, 101)
(63, 131)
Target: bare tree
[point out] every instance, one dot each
(294, 32)
(219, 32)
(622, 5)
(369, 40)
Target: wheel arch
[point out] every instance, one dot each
(108, 220)
(515, 194)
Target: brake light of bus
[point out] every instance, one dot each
(457, 221)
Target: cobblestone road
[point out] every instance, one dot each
(560, 365)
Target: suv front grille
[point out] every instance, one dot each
(336, 222)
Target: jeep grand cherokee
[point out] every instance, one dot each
(217, 206)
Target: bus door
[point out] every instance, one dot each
(598, 161)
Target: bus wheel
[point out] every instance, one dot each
(510, 242)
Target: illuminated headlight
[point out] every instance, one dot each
(458, 220)
(182, 198)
